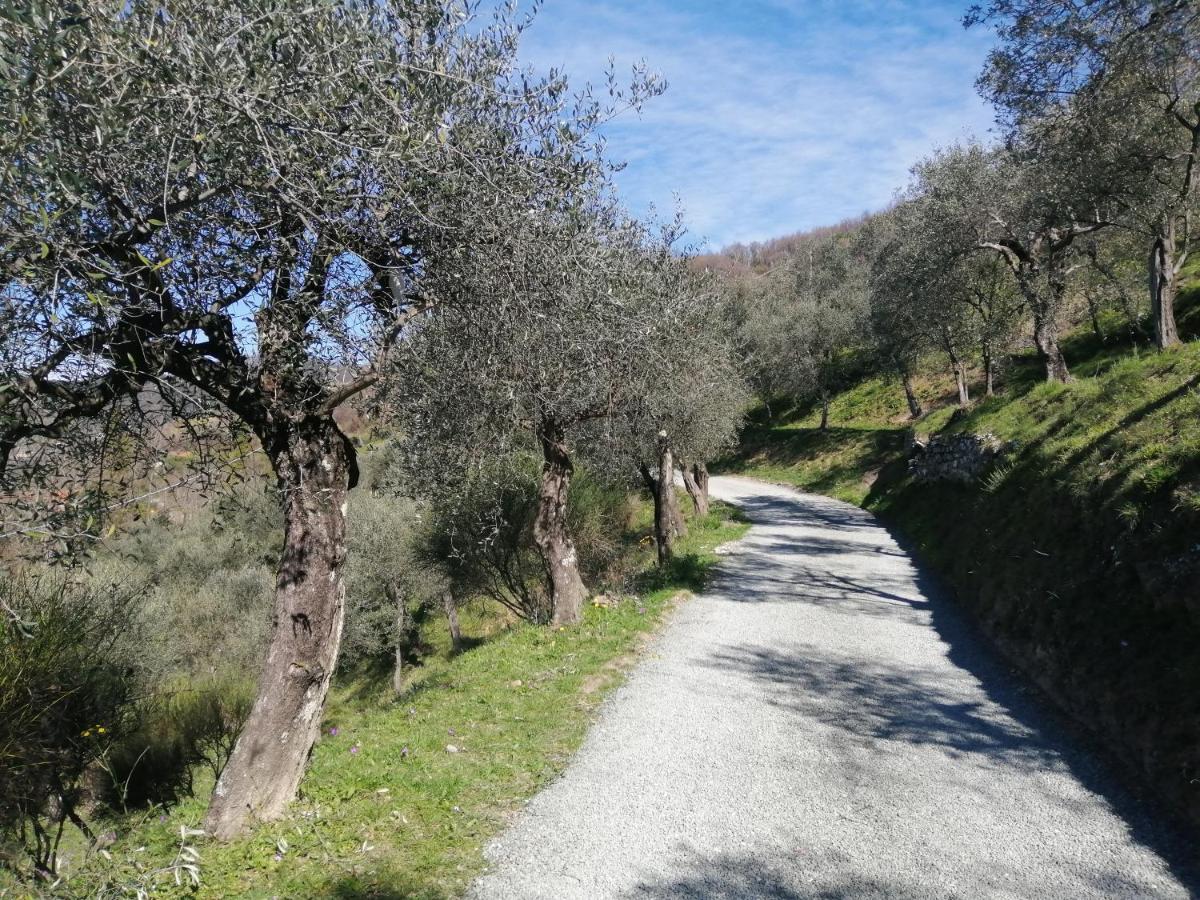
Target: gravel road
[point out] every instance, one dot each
(820, 724)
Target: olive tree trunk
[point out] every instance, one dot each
(1164, 285)
(989, 370)
(700, 473)
(914, 405)
(1044, 308)
(1045, 337)
(551, 533)
(668, 520)
(958, 367)
(695, 479)
(1093, 306)
(451, 606)
(315, 467)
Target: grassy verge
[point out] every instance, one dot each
(1077, 554)
(403, 791)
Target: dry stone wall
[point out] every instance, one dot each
(955, 457)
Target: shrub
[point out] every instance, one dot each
(479, 533)
(68, 672)
(389, 588)
(211, 575)
(598, 513)
(181, 727)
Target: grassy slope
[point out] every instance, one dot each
(1078, 554)
(386, 809)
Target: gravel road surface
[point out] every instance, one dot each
(819, 724)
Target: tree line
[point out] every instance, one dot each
(1099, 108)
(224, 222)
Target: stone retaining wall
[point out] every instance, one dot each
(954, 457)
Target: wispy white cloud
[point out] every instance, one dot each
(781, 114)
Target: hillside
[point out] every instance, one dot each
(1076, 553)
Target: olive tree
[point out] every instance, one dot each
(241, 202)
(1003, 202)
(1124, 80)
(927, 292)
(390, 589)
(69, 667)
(898, 328)
(691, 406)
(561, 335)
(1113, 278)
(996, 308)
(714, 394)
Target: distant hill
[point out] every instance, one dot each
(761, 256)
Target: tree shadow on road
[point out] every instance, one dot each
(996, 717)
(731, 877)
(835, 876)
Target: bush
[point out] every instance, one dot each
(211, 575)
(68, 673)
(389, 588)
(598, 513)
(180, 728)
(480, 534)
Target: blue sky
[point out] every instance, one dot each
(781, 115)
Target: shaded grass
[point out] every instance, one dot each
(387, 808)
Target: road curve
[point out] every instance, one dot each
(819, 724)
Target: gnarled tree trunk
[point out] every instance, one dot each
(315, 467)
(700, 473)
(695, 479)
(666, 512)
(664, 534)
(1045, 337)
(550, 531)
(1164, 284)
(824, 410)
(666, 484)
(668, 520)
(1044, 308)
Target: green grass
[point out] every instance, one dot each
(386, 809)
(841, 461)
(1077, 554)
(1127, 427)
